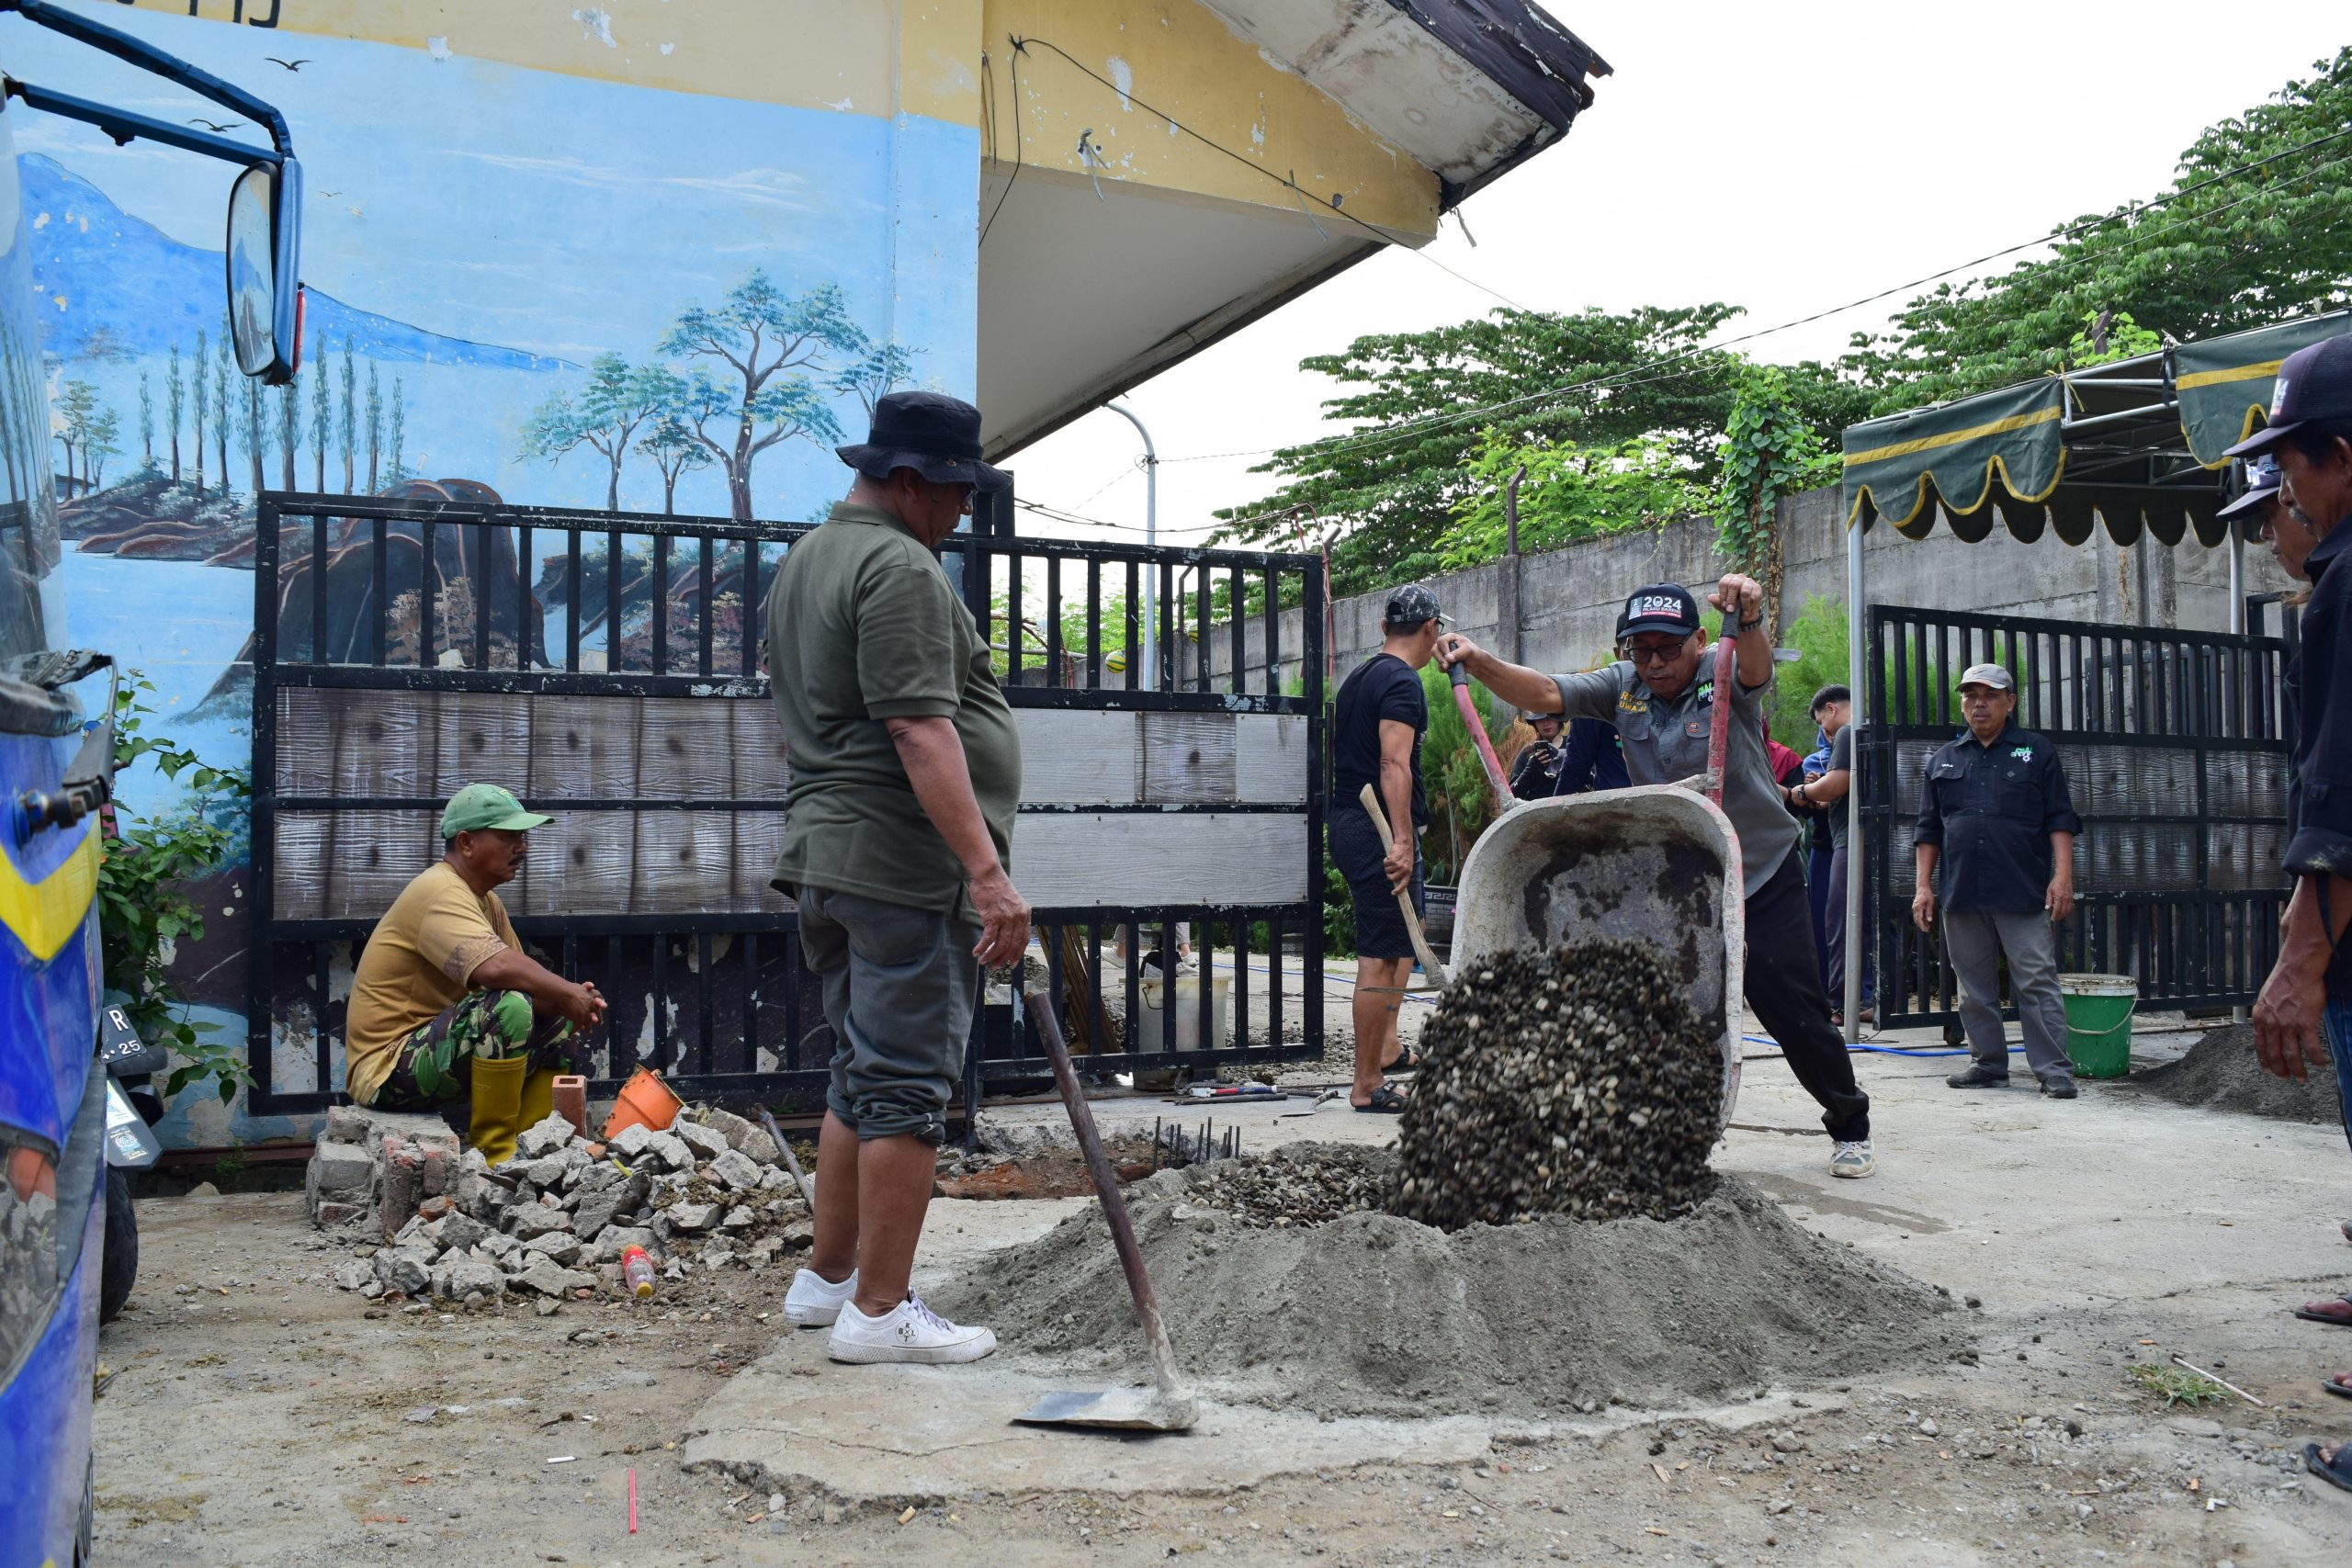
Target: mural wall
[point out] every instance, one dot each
(571, 288)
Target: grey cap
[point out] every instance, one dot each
(1991, 675)
(1412, 605)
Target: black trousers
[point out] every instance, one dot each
(1783, 984)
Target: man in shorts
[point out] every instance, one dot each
(1377, 723)
(445, 1007)
(905, 771)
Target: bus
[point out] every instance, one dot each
(64, 1117)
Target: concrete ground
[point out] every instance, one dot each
(281, 1424)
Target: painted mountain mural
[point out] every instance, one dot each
(120, 286)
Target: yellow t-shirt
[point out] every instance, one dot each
(418, 962)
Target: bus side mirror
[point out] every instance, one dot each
(265, 277)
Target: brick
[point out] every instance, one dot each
(440, 1208)
(440, 1169)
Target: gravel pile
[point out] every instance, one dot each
(1295, 1186)
(1577, 1082)
(710, 1193)
(2220, 1072)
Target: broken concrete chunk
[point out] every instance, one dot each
(598, 1209)
(463, 1276)
(353, 1274)
(545, 1173)
(739, 1218)
(631, 1145)
(690, 1216)
(555, 1247)
(404, 1269)
(774, 1178)
(616, 1239)
(498, 1244)
(461, 1231)
(708, 1141)
(552, 1281)
(536, 1219)
(337, 1169)
(545, 1138)
(737, 1169)
(410, 1231)
(671, 1150)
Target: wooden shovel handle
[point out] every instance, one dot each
(1429, 965)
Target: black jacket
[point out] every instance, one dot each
(1992, 809)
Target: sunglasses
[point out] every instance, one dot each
(1640, 653)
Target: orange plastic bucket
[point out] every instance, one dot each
(645, 1100)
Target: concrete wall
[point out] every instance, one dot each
(1570, 598)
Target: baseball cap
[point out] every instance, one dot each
(2314, 383)
(1991, 675)
(1412, 605)
(2261, 484)
(1660, 607)
(481, 806)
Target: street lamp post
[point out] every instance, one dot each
(1151, 537)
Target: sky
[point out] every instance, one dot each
(1783, 158)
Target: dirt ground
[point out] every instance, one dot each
(258, 1416)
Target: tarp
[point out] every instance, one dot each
(2225, 383)
(1957, 453)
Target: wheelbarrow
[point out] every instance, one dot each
(1656, 863)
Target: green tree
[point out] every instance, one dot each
(603, 417)
(199, 372)
(221, 416)
(175, 395)
(668, 439)
(350, 414)
(1768, 451)
(322, 410)
(98, 444)
(398, 437)
(770, 343)
(879, 370)
(77, 405)
(2230, 247)
(1417, 408)
(146, 419)
(1566, 493)
(374, 426)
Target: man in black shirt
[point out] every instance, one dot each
(1824, 798)
(1377, 723)
(1995, 809)
(1536, 775)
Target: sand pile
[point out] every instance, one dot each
(1575, 1082)
(2221, 1073)
(1370, 1313)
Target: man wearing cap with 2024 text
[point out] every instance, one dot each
(1661, 698)
(446, 1006)
(1994, 809)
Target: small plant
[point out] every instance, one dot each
(144, 907)
(2177, 1385)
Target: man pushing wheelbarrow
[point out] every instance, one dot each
(1662, 699)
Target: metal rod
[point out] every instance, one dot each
(791, 1162)
(1857, 645)
(1151, 537)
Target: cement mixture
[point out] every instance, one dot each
(2220, 1072)
(1372, 1315)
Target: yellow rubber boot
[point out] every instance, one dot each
(497, 1116)
(539, 1101)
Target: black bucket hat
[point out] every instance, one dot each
(936, 435)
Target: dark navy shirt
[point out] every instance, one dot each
(2320, 805)
(1590, 759)
(1992, 809)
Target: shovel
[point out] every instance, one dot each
(1170, 1406)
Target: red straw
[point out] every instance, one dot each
(632, 1502)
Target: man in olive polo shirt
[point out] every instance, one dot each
(906, 770)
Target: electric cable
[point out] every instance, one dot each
(1014, 65)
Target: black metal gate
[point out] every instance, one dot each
(606, 667)
(2175, 746)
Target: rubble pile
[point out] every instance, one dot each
(1577, 1082)
(711, 1192)
(1294, 1186)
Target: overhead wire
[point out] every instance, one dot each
(1014, 65)
(1617, 379)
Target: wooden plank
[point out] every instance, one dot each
(685, 861)
(1188, 758)
(1073, 758)
(685, 748)
(355, 743)
(584, 748)
(762, 761)
(584, 863)
(482, 737)
(1063, 859)
(349, 864)
(1270, 758)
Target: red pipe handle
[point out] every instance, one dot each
(1478, 733)
(1726, 675)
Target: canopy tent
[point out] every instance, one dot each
(2136, 443)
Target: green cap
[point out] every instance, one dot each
(477, 806)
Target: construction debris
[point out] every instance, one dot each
(709, 1192)
(1577, 1082)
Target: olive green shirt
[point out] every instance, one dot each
(862, 625)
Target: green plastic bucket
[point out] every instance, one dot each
(2098, 1022)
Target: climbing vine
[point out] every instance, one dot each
(1768, 452)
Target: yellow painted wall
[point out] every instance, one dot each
(1183, 59)
(877, 56)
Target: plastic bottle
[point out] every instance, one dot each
(637, 1269)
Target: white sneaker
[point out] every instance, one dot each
(1852, 1160)
(909, 1331)
(814, 1301)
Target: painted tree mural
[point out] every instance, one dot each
(769, 344)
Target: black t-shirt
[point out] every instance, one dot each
(1384, 686)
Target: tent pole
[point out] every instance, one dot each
(2237, 580)
(1855, 648)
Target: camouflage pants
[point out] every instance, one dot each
(433, 1066)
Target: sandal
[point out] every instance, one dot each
(1385, 1101)
(2337, 1472)
(2339, 1385)
(2341, 1320)
(1407, 1061)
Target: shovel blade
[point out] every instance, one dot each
(1124, 1409)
